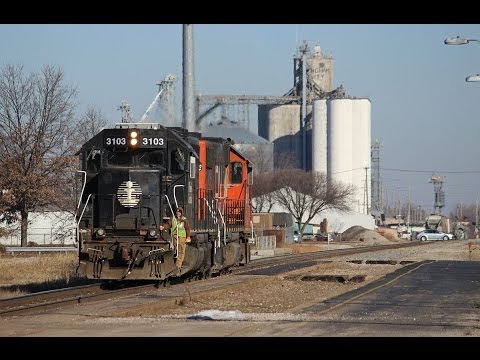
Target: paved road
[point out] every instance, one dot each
(435, 298)
(439, 298)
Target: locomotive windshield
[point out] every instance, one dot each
(141, 158)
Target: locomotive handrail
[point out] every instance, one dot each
(80, 218)
(83, 187)
(215, 221)
(224, 225)
(173, 214)
(175, 194)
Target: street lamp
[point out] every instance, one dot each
(473, 78)
(458, 41)
(462, 41)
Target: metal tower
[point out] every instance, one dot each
(439, 193)
(125, 110)
(165, 102)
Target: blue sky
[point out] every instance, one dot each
(423, 112)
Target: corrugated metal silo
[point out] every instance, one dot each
(319, 136)
(339, 140)
(361, 158)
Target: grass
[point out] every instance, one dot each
(24, 274)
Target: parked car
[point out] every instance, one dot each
(320, 237)
(431, 234)
(295, 236)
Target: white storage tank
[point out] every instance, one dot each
(339, 140)
(361, 153)
(319, 136)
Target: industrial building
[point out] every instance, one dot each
(312, 126)
(332, 136)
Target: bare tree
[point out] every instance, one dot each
(306, 194)
(37, 140)
(263, 188)
(90, 124)
(464, 212)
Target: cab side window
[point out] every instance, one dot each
(94, 160)
(236, 175)
(177, 162)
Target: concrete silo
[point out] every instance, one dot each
(319, 136)
(348, 148)
(361, 157)
(280, 124)
(339, 141)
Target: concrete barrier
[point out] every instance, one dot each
(268, 242)
(39, 249)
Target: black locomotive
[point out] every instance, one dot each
(134, 176)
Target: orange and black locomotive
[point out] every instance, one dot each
(134, 177)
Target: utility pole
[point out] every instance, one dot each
(476, 223)
(408, 213)
(304, 51)
(366, 191)
(188, 119)
(376, 206)
(398, 204)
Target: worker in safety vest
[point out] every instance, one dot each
(180, 232)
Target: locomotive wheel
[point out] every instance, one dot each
(207, 274)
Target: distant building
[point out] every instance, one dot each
(44, 228)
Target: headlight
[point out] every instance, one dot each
(100, 233)
(152, 233)
(133, 138)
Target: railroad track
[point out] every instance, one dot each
(312, 256)
(54, 299)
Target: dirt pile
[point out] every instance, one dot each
(359, 233)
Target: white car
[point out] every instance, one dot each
(431, 234)
(295, 236)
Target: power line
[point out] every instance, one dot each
(433, 171)
(344, 171)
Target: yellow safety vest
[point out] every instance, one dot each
(178, 227)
